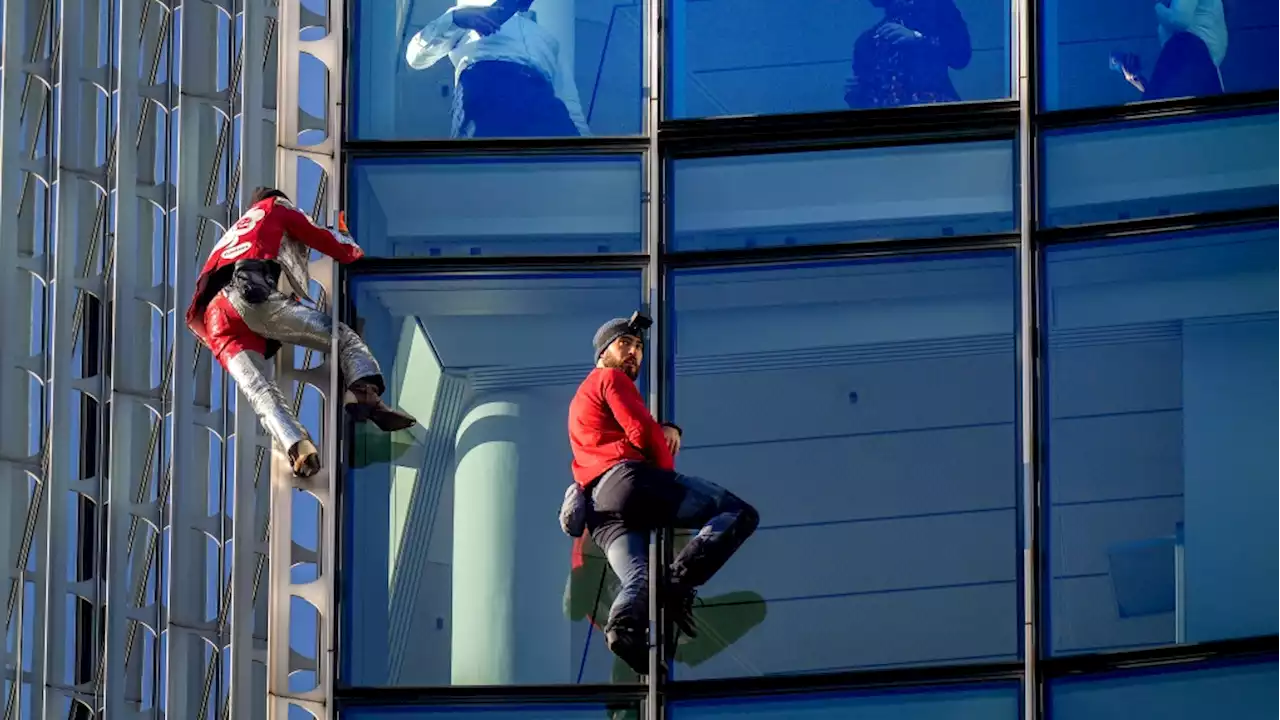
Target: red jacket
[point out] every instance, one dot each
(609, 423)
(260, 234)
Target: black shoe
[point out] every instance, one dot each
(631, 646)
(680, 607)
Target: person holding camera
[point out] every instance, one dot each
(626, 485)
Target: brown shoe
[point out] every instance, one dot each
(305, 458)
(362, 403)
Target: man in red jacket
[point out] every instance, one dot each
(624, 461)
(239, 313)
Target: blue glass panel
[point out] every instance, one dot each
(497, 206)
(1168, 167)
(462, 574)
(1161, 454)
(868, 410)
(579, 711)
(1240, 691)
(425, 69)
(838, 196)
(763, 57)
(989, 702)
(1100, 52)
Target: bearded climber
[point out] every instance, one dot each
(626, 486)
(239, 313)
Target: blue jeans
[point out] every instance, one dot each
(631, 500)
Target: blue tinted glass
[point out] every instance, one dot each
(463, 573)
(763, 57)
(838, 196)
(485, 206)
(1162, 429)
(1101, 52)
(990, 702)
(868, 411)
(541, 68)
(618, 711)
(1139, 170)
(1244, 691)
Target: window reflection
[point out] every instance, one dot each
(460, 570)
(1131, 170)
(497, 68)
(1237, 690)
(869, 410)
(766, 57)
(988, 702)
(907, 56)
(1161, 446)
(1101, 52)
(490, 205)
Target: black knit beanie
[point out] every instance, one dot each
(607, 333)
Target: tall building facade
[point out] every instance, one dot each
(974, 300)
(141, 574)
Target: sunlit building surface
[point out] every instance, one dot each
(975, 302)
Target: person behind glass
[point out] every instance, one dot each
(1193, 44)
(238, 312)
(509, 78)
(905, 58)
(624, 462)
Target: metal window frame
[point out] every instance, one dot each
(1017, 119)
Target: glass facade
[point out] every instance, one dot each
(995, 362)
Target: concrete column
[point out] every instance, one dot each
(484, 544)
(509, 556)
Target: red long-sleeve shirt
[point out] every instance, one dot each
(258, 235)
(609, 423)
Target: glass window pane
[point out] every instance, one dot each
(1240, 691)
(424, 69)
(1183, 48)
(868, 410)
(577, 711)
(517, 206)
(835, 196)
(1162, 431)
(764, 58)
(1169, 167)
(989, 702)
(464, 575)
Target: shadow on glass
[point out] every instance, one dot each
(762, 57)
(459, 571)
(1161, 417)
(868, 408)
(497, 68)
(1102, 52)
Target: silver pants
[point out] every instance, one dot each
(281, 319)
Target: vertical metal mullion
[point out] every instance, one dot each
(292, 16)
(134, 402)
(244, 560)
(16, 299)
(187, 632)
(658, 548)
(1028, 355)
(75, 205)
